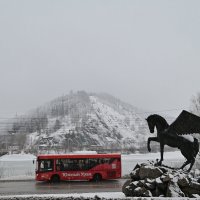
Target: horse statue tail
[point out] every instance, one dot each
(196, 146)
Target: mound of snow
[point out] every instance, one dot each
(17, 157)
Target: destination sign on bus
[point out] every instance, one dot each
(76, 174)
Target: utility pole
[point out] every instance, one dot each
(63, 106)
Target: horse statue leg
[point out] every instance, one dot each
(189, 151)
(149, 140)
(191, 165)
(161, 153)
(185, 163)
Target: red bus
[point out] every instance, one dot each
(78, 167)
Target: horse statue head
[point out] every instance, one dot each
(156, 121)
(150, 123)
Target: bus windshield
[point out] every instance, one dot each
(45, 165)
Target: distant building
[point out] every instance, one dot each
(48, 143)
(97, 148)
(14, 148)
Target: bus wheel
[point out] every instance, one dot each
(97, 177)
(55, 179)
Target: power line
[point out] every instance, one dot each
(148, 112)
(161, 111)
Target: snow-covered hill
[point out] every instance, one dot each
(84, 121)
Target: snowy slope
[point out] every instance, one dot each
(128, 124)
(82, 120)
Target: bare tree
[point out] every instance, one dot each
(195, 104)
(57, 125)
(20, 140)
(195, 108)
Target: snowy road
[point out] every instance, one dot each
(32, 187)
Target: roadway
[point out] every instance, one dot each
(33, 187)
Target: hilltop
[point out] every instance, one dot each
(82, 121)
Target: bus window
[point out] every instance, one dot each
(83, 164)
(93, 162)
(65, 164)
(60, 165)
(45, 165)
(75, 165)
(111, 160)
(70, 164)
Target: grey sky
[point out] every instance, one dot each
(147, 53)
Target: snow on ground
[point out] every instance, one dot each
(152, 156)
(17, 157)
(173, 159)
(99, 194)
(86, 196)
(17, 167)
(18, 178)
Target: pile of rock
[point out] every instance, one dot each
(151, 181)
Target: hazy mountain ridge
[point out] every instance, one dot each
(83, 120)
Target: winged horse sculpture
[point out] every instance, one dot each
(173, 135)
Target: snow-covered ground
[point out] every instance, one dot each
(99, 194)
(22, 167)
(17, 157)
(173, 159)
(87, 196)
(17, 167)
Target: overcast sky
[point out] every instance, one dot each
(146, 53)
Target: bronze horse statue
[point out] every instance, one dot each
(171, 135)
